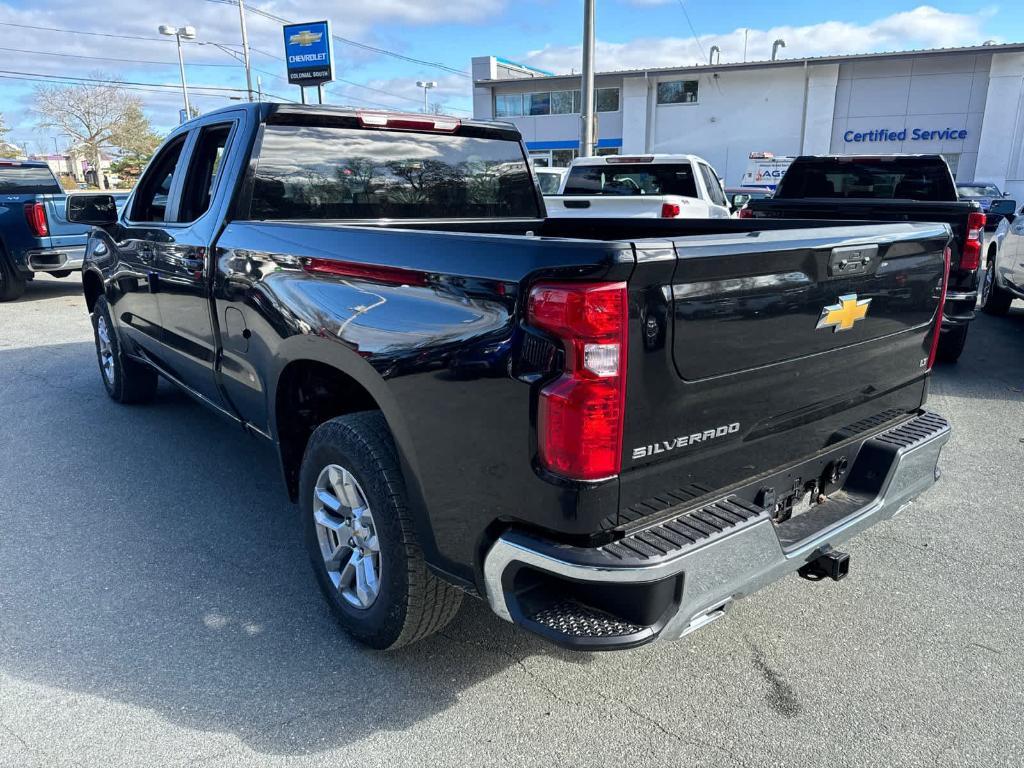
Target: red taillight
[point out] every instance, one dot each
(379, 274)
(670, 210)
(745, 213)
(970, 257)
(942, 305)
(35, 214)
(580, 414)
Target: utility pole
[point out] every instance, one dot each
(587, 85)
(245, 48)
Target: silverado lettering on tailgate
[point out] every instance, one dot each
(683, 440)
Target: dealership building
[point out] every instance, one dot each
(965, 103)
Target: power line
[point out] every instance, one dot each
(696, 37)
(120, 83)
(91, 34)
(355, 43)
(108, 58)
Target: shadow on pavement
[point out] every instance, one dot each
(149, 555)
(995, 346)
(42, 288)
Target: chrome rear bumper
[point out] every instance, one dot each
(743, 552)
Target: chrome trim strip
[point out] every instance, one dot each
(961, 295)
(734, 565)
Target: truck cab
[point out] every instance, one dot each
(641, 186)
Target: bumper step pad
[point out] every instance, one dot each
(571, 619)
(686, 530)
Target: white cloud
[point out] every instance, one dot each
(922, 27)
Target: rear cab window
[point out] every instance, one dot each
(883, 178)
(632, 179)
(339, 173)
(18, 179)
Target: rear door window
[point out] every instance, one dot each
(632, 179)
(203, 171)
(17, 179)
(713, 185)
(320, 172)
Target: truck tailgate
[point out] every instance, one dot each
(759, 348)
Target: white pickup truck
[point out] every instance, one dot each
(640, 187)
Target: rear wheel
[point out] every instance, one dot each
(360, 538)
(60, 273)
(951, 344)
(994, 300)
(12, 282)
(126, 380)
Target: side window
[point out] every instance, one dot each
(155, 188)
(203, 171)
(714, 188)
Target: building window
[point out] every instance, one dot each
(607, 99)
(560, 158)
(555, 102)
(604, 151)
(562, 102)
(538, 103)
(508, 105)
(541, 159)
(677, 92)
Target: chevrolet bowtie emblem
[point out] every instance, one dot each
(305, 37)
(843, 316)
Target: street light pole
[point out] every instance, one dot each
(426, 85)
(189, 33)
(587, 85)
(245, 48)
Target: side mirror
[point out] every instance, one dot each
(97, 210)
(1004, 207)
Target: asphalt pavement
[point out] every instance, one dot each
(157, 609)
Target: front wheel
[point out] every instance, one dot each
(360, 538)
(994, 300)
(126, 380)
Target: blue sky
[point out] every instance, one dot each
(631, 33)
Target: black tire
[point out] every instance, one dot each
(12, 282)
(951, 344)
(412, 602)
(994, 300)
(126, 380)
(60, 273)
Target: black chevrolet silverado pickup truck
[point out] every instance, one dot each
(890, 188)
(608, 429)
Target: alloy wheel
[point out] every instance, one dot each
(106, 349)
(347, 536)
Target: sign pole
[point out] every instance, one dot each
(302, 93)
(320, 94)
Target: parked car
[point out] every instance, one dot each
(610, 429)
(550, 179)
(981, 192)
(890, 188)
(738, 197)
(640, 186)
(1003, 280)
(35, 235)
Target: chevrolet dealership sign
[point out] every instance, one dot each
(308, 53)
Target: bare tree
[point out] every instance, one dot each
(95, 117)
(6, 148)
